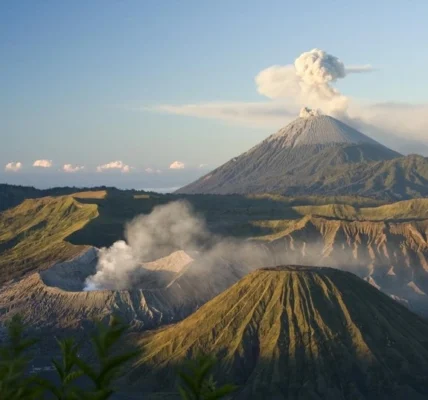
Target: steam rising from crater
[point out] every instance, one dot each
(307, 112)
(175, 226)
(166, 229)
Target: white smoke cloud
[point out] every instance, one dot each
(175, 226)
(177, 165)
(168, 228)
(114, 165)
(70, 168)
(42, 163)
(13, 166)
(240, 113)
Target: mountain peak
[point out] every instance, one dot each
(314, 128)
(307, 112)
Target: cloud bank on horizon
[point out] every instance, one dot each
(15, 166)
(309, 82)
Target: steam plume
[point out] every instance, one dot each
(175, 226)
(168, 228)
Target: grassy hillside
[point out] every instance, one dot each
(297, 333)
(230, 215)
(32, 234)
(40, 231)
(402, 210)
(12, 195)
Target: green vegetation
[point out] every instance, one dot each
(12, 195)
(32, 234)
(198, 382)
(15, 384)
(402, 210)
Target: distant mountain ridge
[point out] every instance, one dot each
(318, 155)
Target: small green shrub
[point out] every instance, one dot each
(14, 361)
(198, 382)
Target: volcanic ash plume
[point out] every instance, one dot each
(307, 112)
(309, 81)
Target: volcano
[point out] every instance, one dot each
(295, 332)
(318, 155)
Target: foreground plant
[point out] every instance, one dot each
(198, 382)
(102, 377)
(14, 362)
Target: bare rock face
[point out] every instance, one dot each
(70, 275)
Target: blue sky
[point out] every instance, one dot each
(81, 81)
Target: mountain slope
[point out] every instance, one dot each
(319, 155)
(309, 130)
(32, 234)
(298, 333)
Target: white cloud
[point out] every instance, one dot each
(114, 165)
(203, 165)
(42, 163)
(176, 165)
(241, 113)
(13, 166)
(150, 170)
(72, 168)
